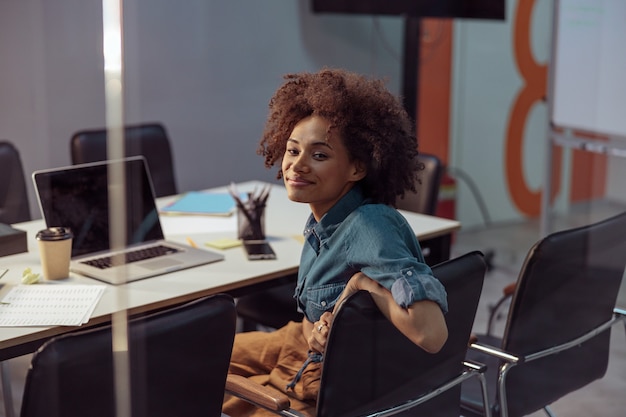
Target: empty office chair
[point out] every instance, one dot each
(178, 361)
(276, 307)
(425, 200)
(369, 366)
(13, 194)
(557, 334)
(149, 140)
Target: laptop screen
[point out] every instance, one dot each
(77, 197)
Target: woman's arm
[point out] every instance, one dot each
(422, 322)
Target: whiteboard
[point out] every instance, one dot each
(589, 66)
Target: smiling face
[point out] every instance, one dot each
(316, 166)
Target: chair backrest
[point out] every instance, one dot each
(369, 365)
(150, 140)
(567, 286)
(178, 359)
(14, 206)
(424, 201)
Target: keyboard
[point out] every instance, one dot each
(131, 256)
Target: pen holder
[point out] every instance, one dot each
(251, 222)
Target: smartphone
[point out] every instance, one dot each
(258, 249)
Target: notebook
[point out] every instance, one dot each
(202, 203)
(77, 197)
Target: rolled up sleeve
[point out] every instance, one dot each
(388, 252)
(412, 287)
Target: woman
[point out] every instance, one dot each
(347, 149)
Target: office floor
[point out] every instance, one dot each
(509, 243)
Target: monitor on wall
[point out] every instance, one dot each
(474, 9)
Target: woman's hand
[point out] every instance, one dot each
(319, 333)
(353, 285)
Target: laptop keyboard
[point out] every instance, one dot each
(132, 256)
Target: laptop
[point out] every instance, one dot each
(77, 197)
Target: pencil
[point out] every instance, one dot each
(191, 242)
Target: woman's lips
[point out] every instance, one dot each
(298, 181)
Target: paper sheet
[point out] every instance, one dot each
(49, 305)
(190, 225)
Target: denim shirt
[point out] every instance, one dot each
(354, 236)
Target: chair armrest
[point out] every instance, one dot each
(509, 289)
(255, 393)
(475, 366)
(479, 370)
(618, 317)
(499, 353)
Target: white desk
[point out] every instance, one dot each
(284, 224)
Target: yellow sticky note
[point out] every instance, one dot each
(299, 238)
(224, 243)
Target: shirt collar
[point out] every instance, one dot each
(315, 232)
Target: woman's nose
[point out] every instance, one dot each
(300, 164)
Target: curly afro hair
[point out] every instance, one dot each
(371, 121)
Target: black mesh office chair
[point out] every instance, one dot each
(150, 140)
(276, 306)
(13, 194)
(178, 361)
(557, 334)
(369, 366)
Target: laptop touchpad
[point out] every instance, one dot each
(160, 263)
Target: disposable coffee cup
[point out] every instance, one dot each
(55, 251)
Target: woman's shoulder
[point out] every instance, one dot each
(377, 214)
(378, 209)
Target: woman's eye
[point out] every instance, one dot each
(319, 155)
(292, 152)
